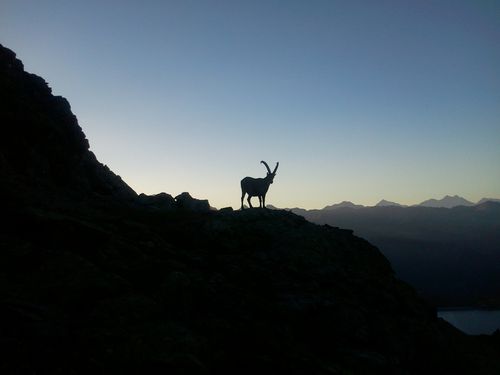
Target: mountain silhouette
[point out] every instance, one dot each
(384, 203)
(97, 279)
(447, 202)
(344, 204)
(484, 200)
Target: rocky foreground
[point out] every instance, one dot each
(96, 279)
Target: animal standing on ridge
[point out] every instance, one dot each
(257, 187)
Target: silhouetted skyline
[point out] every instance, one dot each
(358, 101)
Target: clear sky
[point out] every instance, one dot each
(357, 100)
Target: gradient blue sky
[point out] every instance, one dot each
(358, 100)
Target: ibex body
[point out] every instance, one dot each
(257, 187)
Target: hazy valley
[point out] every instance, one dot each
(448, 251)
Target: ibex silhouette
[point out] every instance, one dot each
(257, 187)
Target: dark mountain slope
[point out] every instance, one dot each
(42, 146)
(94, 279)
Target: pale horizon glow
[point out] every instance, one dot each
(358, 101)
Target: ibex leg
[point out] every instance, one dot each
(242, 197)
(249, 203)
(260, 201)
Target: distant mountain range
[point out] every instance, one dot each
(343, 205)
(447, 201)
(448, 249)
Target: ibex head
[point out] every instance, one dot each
(270, 175)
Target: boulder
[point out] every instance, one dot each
(161, 201)
(184, 201)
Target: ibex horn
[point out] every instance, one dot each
(275, 169)
(267, 166)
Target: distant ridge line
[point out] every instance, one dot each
(445, 202)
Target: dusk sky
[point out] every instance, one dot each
(357, 100)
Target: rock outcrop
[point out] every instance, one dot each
(185, 201)
(111, 286)
(161, 201)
